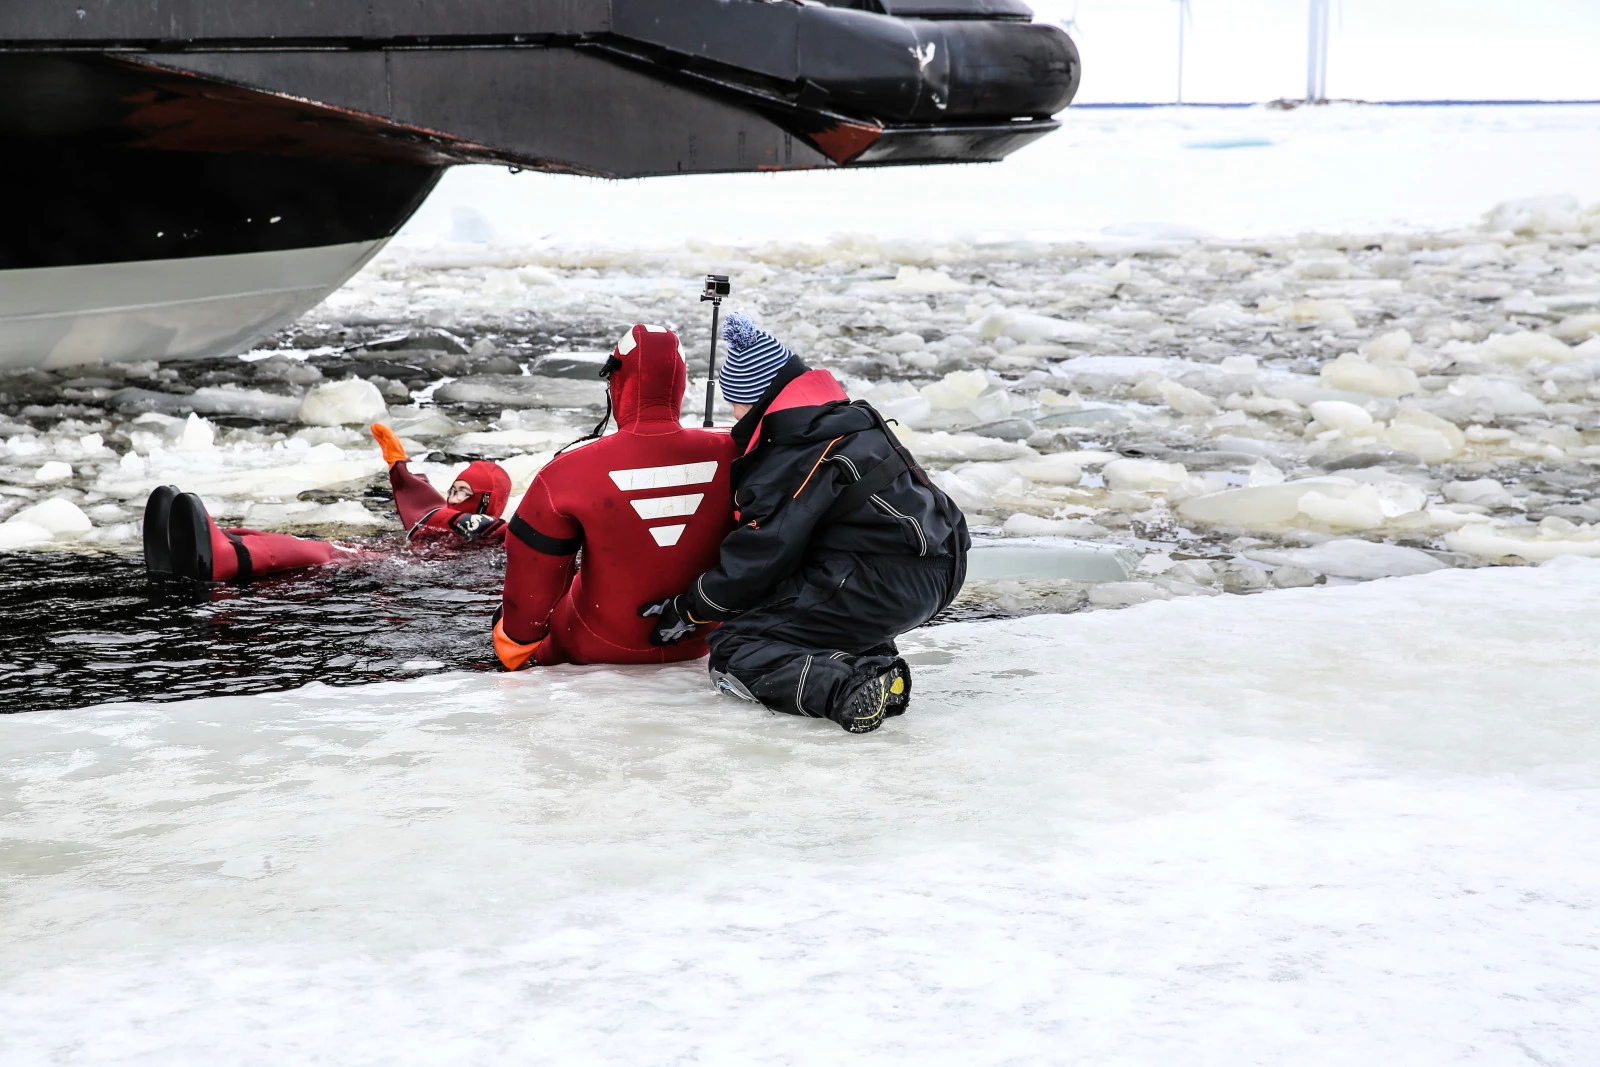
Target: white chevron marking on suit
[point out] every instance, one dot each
(664, 477)
(667, 536)
(667, 507)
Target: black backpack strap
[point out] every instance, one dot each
(874, 481)
(880, 476)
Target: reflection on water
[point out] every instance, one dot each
(82, 630)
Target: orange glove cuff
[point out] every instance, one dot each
(393, 451)
(513, 654)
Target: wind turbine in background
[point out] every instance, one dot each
(1186, 20)
(1317, 53)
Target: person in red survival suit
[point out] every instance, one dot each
(181, 539)
(649, 507)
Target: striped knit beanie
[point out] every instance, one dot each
(754, 358)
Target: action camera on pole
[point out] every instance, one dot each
(716, 288)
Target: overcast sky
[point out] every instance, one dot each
(1254, 50)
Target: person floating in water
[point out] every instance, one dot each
(181, 539)
(648, 505)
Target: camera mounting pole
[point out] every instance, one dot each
(716, 288)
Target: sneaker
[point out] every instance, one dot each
(863, 710)
(157, 516)
(189, 535)
(899, 689)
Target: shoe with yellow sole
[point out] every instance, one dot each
(880, 696)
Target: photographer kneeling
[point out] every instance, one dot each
(843, 544)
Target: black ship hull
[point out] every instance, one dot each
(194, 173)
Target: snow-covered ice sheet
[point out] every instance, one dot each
(1340, 826)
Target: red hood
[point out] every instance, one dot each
(489, 482)
(648, 386)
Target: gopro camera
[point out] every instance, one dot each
(717, 287)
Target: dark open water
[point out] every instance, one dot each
(77, 630)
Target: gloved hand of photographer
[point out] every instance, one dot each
(673, 622)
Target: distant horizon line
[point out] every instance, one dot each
(1289, 103)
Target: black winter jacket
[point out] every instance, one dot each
(786, 499)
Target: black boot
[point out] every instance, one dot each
(189, 534)
(157, 514)
(864, 708)
(899, 689)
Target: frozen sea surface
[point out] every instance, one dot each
(1334, 826)
(1357, 342)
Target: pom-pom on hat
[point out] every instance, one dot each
(754, 358)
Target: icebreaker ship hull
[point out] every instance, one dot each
(200, 172)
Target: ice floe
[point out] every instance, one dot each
(1210, 829)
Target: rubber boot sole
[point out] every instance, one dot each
(863, 710)
(157, 517)
(899, 689)
(189, 534)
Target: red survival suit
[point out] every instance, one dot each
(423, 509)
(649, 507)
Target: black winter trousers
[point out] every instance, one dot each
(831, 626)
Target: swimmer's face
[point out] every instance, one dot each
(460, 492)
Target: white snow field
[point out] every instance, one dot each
(1346, 826)
(1106, 174)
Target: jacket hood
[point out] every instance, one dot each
(491, 487)
(648, 382)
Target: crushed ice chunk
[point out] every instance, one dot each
(1336, 504)
(943, 447)
(1352, 558)
(1499, 542)
(1341, 415)
(1185, 401)
(306, 513)
(1024, 525)
(1431, 438)
(57, 516)
(902, 342)
(1388, 347)
(1126, 594)
(1535, 215)
(1577, 328)
(1144, 475)
(1520, 349)
(1354, 373)
(352, 401)
(1029, 328)
(15, 533)
(956, 390)
(910, 279)
(53, 471)
(1483, 492)
(199, 435)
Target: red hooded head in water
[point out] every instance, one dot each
(484, 488)
(647, 504)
